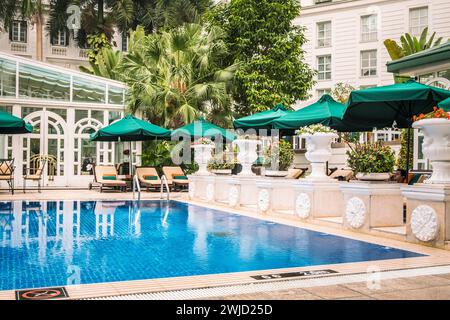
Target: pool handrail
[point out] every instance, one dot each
(166, 184)
(136, 185)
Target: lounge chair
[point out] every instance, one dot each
(342, 175)
(34, 174)
(176, 177)
(294, 173)
(148, 177)
(106, 177)
(7, 172)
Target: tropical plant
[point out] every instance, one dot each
(371, 158)
(341, 91)
(402, 156)
(156, 153)
(314, 128)
(410, 44)
(260, 36)
(105, 64)
(282, 152)
(218, 163)
(174, 76)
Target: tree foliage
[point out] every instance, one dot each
(174, 76)
(260, 35)
(341, 91)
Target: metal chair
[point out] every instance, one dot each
(35, 174)
(7, 172)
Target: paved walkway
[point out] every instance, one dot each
(434, 287)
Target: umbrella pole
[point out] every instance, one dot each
(131, 161)
(408, 152)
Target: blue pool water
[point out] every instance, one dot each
(50, 243)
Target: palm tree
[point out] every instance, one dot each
(105, 65)
(174, 75)
(409, 45)
(31, 10)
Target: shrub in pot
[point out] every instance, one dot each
(281, 151)
(371, 161)
(220, 166)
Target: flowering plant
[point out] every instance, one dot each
(371, 158)
(314, 128)
(204, 141)
(437, 113)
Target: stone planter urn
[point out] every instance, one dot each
(247, 155)
(318, 152)
(436, 147)
(202, 155)
(221, 171)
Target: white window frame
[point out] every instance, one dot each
(61, 36)
(422, 20)
(322, 91)
(325, 63)
(369, 26)
(371, 63)
(17, 30)
(325, 40)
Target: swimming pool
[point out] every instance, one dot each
(51, 243)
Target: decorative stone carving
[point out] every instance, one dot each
(355, 212)
(202, 155)
(210, 192)
(303, 205)
(191, 190)
(424, 223)
(233, 196)
(264, 200)
(247, 155)
(318, 152)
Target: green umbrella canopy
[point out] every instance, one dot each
(10, 124)
(381, 106)
(325, 111)
(131, 128)
(261, 120)
(202, 128)
(445, 104)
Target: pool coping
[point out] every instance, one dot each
(434, 257)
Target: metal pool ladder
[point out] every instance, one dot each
(165, 183)
(136, 186)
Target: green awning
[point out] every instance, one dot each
(131, 128)
(325, 111)
(380, 107)
(261, 120)
(10, 124)
(203, 129)
(435, 55)
(445, 104)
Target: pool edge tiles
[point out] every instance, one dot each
(254, 271)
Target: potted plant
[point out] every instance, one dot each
(246, 154)
(283, 153)
(220, 166)
(436, 143)
(318, 148)
(202, 154)
(371, 161)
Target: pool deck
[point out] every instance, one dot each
(428, 286)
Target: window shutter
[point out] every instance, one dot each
(10, 32)
(23, 26)
(52, 40)
(67, 37)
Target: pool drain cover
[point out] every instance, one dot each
(293, 274)
(42, 294)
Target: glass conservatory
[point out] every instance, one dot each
(65, 107)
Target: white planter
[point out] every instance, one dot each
(373, 176)
(221, 171)
(202, 155)
(436, 147)
(247, 155)
(318, 152)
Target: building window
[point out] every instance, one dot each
(369, 28)
(324, 67)
(124, 42)
(368, 63)
(321, 92)
(324, 34)
(418, 20)
(60, 39)
(19, 31)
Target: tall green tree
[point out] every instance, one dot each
(261, 37)
(174, 76)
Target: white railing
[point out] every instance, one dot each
(164, 183)
(136, 186)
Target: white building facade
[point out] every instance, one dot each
(345, 37)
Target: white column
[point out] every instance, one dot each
(69, 146)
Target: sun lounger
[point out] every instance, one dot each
(148, 177)
(106, 177)
(176, 177)
(342, 175)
